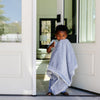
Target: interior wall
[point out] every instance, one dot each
(48, 9)
(45, 9)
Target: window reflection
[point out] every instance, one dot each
(70, 15)
(10, 20)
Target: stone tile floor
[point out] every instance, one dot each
(42, 89)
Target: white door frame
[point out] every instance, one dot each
(60, 10)
(77, 20)
(34, 46)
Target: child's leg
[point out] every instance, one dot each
(52, 80)
(50, 85)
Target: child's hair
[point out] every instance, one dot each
(61, 28)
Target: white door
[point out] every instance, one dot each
(88, 54)
(16, 58)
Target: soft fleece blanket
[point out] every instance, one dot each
(62, 66)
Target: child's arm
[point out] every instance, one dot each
(51, 46)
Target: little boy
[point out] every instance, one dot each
(60, 34)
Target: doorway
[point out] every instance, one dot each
(46, 22)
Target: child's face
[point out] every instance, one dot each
(61, 35)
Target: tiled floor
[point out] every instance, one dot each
(42, 89)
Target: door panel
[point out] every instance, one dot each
(16, 58)
(87, 53)
(87, 74)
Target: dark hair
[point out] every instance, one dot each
(61, 28)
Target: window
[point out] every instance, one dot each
(87, 21)
(10, 20)
(84, 16)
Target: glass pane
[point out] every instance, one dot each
(70, 15)
(87, 21)
(10, 20)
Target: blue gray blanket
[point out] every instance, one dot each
(62, 66)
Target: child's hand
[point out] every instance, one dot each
(53, 44)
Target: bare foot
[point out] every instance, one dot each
(49, 94)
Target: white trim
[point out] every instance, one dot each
(60, 10)
(77, 19)
(63, 9)
(34, 48)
